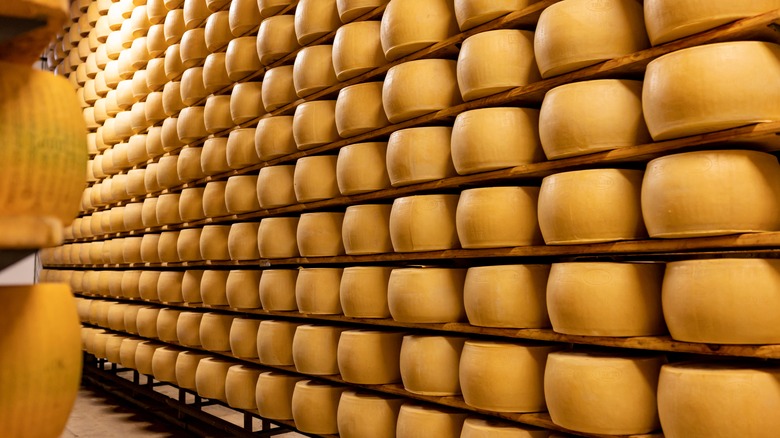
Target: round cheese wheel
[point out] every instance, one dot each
(359, 109)
(127, 352)
(240, 151)
(139, 21)
(210, 378)
(275, 186)
(603, 393)
(424, 223)
(510, 296)
(724, 301)
(363, 291)
(116, 316)
(117, 219)
(188, 165)
(363, 414)
(155, 40)
(241, 289)
(313, 70)
(131, 318)
(419, 87)
(479, 73)
(314, 124)
(274, 341)
(155, 10)
(576, 34)
(241, 193)
(190, 285)
(494, 217)
(272, 7)
(146, 322)
(357, 49)
(113, 344)
(241, 58)
(276, 37)
(365, 229)
(369, 357)
(242, 241)
(273, 394)
(591, 116)
(409, 26)
(317, 291)
(246, 102)
(213, 158)
(149, 245)
(426, 295)
(243, 338)
(167, 246)
(130, 283)
(174, 67)
(277, 289)
(429, 364)
(494, 138)
(147, 285)
(276, 238)
(152, 186)
(418, 155)
(186, 369)
(169, 286)
(214, 242)
(352, 9)
(155, 77)
(244, 18)
(314, 19)
(169, 136)
(139, 55)
(195, 13)
(274, 136)
(164, 364)
(215, 331)
(167, 209)
(314, 178)
(314, 349)
(217, 31)
(588, 206)
(241, 380)
(131, 250)
(214, 199)
(154, 112)
(606, 299)
(192, 88)
(191, 125)
(472, 13)
(693, 194)
(423, 420)
(215, 76)
(188, 328)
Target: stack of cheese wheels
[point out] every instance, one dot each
(475, 427)
(363, 291)
(419, 87)
(363, 414)
(429, 364)
(418, 155)
(315, 349)
(424, 223)
(325, 397)
(676, 105)
(493, 217)
(277, 289)
(274, 342)
(724, 301)
(273, 395)
(240, 384)
(711, 193)
(369, 357)
(710, 399)
(581, 397)
(317, 290)
(606, 299)
(423, 420)
(408, 26)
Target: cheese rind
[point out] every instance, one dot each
(313, 69)
(359, 109)
(369, 357)
(274, 342)
(426, 295)
(418, 155)
(424, 223)
(241, 289)
(240, 383)
(363, 291)
(409, 25)
(511, 296)
(419, 87)
(243, 337)
(361, 168)
(357, 49)
(277, 289)
(326, 397)
(273, 395)
(365, 229)
(315, 179)
(210, 378)
(275, 186)
(366, 414)
(314, 349)
(493, 217)
(317, 291)
(429, 364)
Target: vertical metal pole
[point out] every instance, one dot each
(248, 422)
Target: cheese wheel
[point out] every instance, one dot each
(708, 202)
(186, 369)
(193, 47)
(147, 285)
(155, 76)
(117, 219)
(325, 396)
(241, 289)
(131, 318)
(216, 5)
(314, 178)
(139, 21)
(241, 58)
(116, 316)
(717, 399)
(167, 209)
(167, 247)
(588, 206)
(317, 291)
(277, 289)
(213, 158)
(167, 321)
(215, 76)
(314, 19)
(279, 89)
(244, 17)
(509, 296)
(273, 395)
(429, 364)
(155, 10)
(363, 291)
(242, 241)
(591, 116)
(191, 125)
(155, 40)
(606, 299)
(369, 357)
(240, 151)
(274, 136)
(169, 286)
(319, 234)
(276, 37)
(274, 342)
(138, 122)
(174, 67)
(424, 223)
(164, 364)
(214, 199)
(192, 88)
(423, 420)
(603, 393)
(352, 9)
(190, 286)
(362, 414)
(214, 242)
(195, 12)
(472, 13)
(210, 378)
(600, 31)
(415, 88)
(243, 338)
(418, 155)
(188, 328)
(113, 344)
(276, 237)
(365, 229)
(215, 331)
(139, 55)
(152, 185)
(130, 283)
(131, 250)
(241, 193)
(272, 7)
(313, 70)
(724, 301)
(146, 322)
(494, 138)
(409, 26)
(188, 165)
(169, 136)
(149, 245)
(213, 287)
(426, 295)
(241, 380)
(217, 29)
(246, 102)
(494, 217)
(314, 124)
(314, 349)
(154, 113)
(359, 109)
(127, 351)
(357, 49)
(275, 186)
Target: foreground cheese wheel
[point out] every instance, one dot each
(276, 238)
(144, 354)
(274, 341)
(314, 124)
(276, 38)
(188, 328)
(724, 301)
(273, 395)
(363, 291)
(313, 70)
(579, 33)
(210, 378)
(700, 400)
(504, 377)
(675, 106)
(49, 166)
(424, 223)
(240, 384)
(426, 295)
(475, 427)
(242, 241)
(274, 137)
(241, 289)
(511, 296)
(319, 234)
(193, 48)
(315, 18)
(694, 194)
(214, 242)
(41, 359)
(581, 397)
(215, 331)
(493, 217)
(314, 178)
(496, 61)
(279, 89)
(472, 13)
(409, 26)
(588, 206)
(186, 369)
(419, 87)
(214, 199)
(494, 138)
(359, 109)
(361, 168)
(357, 49)
(423, 420)
(243, 337)
(241, 193)
(369, 357)
(213, 158)
(366, 414)
(591, 116)
(317, 290)
(365, 229)
(606, 299)
(275, 186)
(246, 102)
(418, 155)
(277, 289)
(429, 364)
(314, 349)
(164, 364)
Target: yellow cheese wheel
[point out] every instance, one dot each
(191, 124)
(213, 158)
(147, 285)
(193, 48)
(426, 295)
(362, 414)
(215, 76)
(369, 357)
(174, 67)
(317, 291)
(424, 223)
(274, 342)
(169, 286)
(272, 7)
(591, 116)
(475, 427)
(131, 250)
(130, 283)
(149, 206)
(214, 242)
(155, 40)
(215, 331)
(131, 318)
(325, 396)
(190, 285)
(606, 299)
(359, 109)
(494, 138)
(164, 364)
(242, 241)
(240, 151)
(241, 380)
(167, 209)
(241, 193)
(246, 102)
(241, 58)
(276, 37)
(243, 338)
(241, 289)
(419, 87)
(276, 237)
(117, 219)
(363, 291)
(192, 88)
(188, 328)
(169, 136)
(113, 344)
(313, 70)
(603, 393)
(274, 135)
(167, 246)
(214, 199)
(314, 124)
(277, 289)
(314, 349)
(155, 10)
(154, 112)
(139, 21)
(216, 5)
(352, 9)
(493, 217)
(314, 178)
(694, 194)
(315, 18)
(195, 12)
(319, 234)
(418, 155)
(188, 166)
(210, 378)
(472, 13)
(357, 49)
(146, 322)
(186, 369)
(217, 29)
(588, 206)
(409, 26)
(576, 34)
(424, 420)
(139, 55)
(155, 77)
(127, 351)
(275, 186)
(149, 245)
(429, 364)
(116, 316)
(507, 296)
(365, 229)
(273, 394)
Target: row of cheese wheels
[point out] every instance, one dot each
(719, 301)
